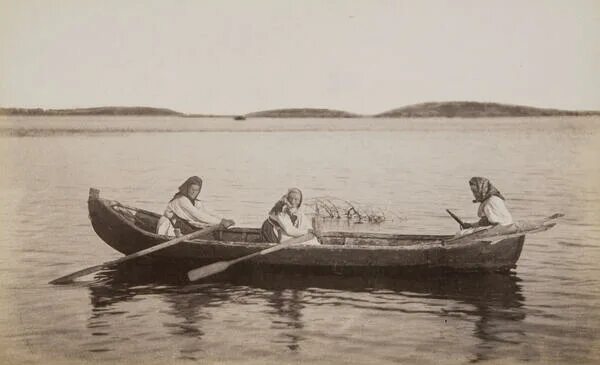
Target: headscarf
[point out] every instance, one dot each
(484, 189)
(283, 205)
(184, 188)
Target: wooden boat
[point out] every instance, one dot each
(128, 230)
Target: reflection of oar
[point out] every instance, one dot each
(68, 278)
(461, 223)
(220, 266)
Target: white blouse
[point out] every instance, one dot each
(495, 211)
(289, 230)
(181, 206)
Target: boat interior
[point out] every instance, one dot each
(147, 221)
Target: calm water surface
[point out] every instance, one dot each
(545, 311)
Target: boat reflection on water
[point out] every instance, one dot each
(493, 302)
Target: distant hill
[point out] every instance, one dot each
(302, 113)
(106, 110)
(471, 109)
(459, 109)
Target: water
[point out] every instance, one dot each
(545, 311)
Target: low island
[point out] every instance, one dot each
(302, 113)
(105, 110)
(471, 109)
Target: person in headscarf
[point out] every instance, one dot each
(287, 220)
(185, 212)
(492, 209)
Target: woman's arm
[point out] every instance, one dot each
(492, 212)
(495, 211)
(287, 226)
(198, 213)
(483, 222)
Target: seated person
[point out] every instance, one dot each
(492, 209)
(287, 220)
(187, 213)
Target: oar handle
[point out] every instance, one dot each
(458, 220)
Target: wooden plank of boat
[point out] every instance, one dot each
(217, 267)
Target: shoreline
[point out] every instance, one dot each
(18, 126)
(249, 119)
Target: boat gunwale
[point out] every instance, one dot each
(430, 241)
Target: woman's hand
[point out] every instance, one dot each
(227, 222)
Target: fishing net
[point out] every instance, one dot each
(332, 208)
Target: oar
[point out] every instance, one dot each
(489, 233)
(68, 278)
(460, 222)
(499, 237)
(217, 267)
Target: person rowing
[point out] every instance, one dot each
(287, 220)
(185, 212)
(492, 209)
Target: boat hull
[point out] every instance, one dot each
(341, 251)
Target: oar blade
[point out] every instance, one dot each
(208, 270)
(69, 278)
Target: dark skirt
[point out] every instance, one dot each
(267, 232)
(184, 226)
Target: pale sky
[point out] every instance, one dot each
(242, 56)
